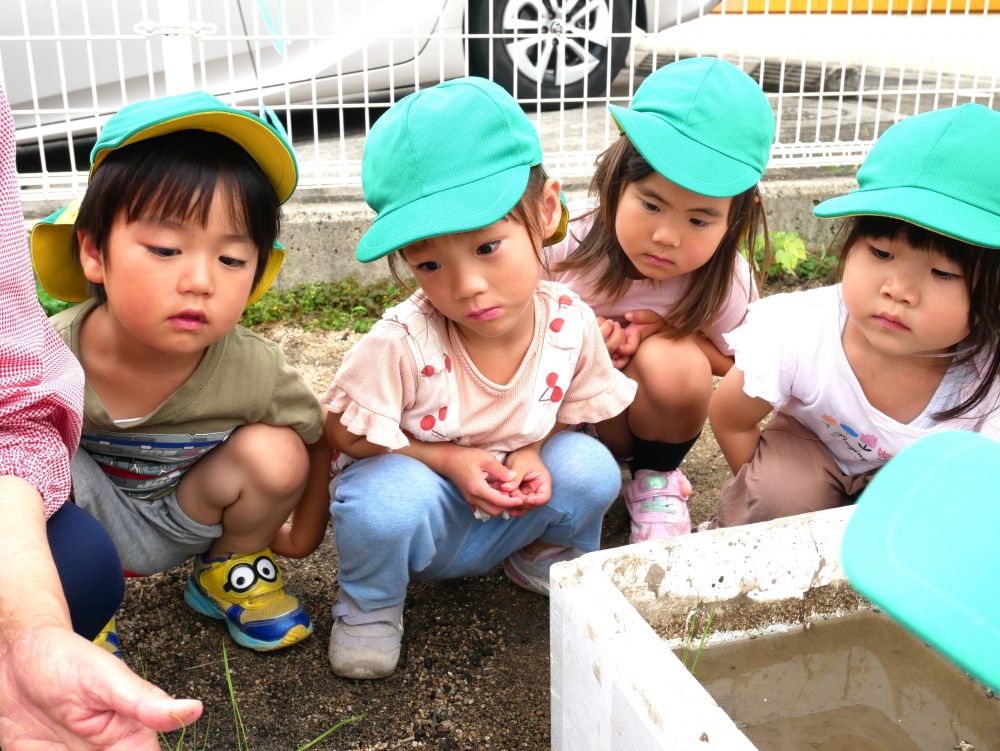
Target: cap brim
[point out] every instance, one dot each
(463, 208)
(924, 208)
(682, 160)
(62, 276)
(265, 146)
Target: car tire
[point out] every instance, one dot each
(589, 67)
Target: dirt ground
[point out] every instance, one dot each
(475, 667)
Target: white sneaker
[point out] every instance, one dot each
(532, 573)
(365, 645)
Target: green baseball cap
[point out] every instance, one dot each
(703, 124)
(264, 140)
(452, 158)
(939, 170)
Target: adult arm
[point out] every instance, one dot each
(56, 688)
(735, 419)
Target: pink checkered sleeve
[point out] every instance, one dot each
(41, 384)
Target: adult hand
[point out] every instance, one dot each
(479, 477)
(60, 691)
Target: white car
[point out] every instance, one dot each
(64, 71)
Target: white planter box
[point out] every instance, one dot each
(616, 684)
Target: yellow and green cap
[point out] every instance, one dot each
(264, 140)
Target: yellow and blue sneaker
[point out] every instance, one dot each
(246, 592)
(108, 639)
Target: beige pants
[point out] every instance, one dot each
(791, 472)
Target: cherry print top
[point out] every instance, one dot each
(411, 376)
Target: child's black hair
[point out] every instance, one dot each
(174, 177)
(981, 272)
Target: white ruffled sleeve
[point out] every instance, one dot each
(374, 385)
(762, 351)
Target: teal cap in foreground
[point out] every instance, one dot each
(703, 124)
(922, 544)
(939, 170)
(452, 158)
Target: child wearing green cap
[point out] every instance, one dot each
(656, 252)
(198, 439)
(447, 414)
(908, 344)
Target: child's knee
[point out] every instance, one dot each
(672, 372)
(384, 496)
(273, 458)
(583, 470)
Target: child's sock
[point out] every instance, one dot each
(661, 457)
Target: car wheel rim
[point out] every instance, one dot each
(557, 42)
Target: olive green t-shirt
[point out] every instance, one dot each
(242, 379)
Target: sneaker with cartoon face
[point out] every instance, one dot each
(657, 504)
(108, 639)
(247, 592)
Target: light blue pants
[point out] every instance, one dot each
(395, 519)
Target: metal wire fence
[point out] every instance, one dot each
(837, 72)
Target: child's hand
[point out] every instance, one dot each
(533, 483)
(479, 477)
(641, 324)
(612, 333)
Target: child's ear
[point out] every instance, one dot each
(551, 207)
(90, 258)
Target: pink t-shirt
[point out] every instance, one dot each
(645, 293)
(566, 376)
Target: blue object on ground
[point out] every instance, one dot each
(924, 545)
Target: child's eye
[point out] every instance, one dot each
(695, 222)
(162, 252)
(487, 248)
(882, 255)
(233, 263)
(428, 266)
(650, 207)
(942, 274)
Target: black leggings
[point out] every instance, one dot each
(88, 567)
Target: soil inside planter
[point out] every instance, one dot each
(856, 683)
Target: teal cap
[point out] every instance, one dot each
(922, 545)
(703, 124)
(452, 158)
(939, 170)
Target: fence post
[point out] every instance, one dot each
(178, 62)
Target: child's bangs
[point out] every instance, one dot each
(183, 196)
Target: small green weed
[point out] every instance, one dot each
(792, 259)
(184, 743)
(343, 304)
(694, 623)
